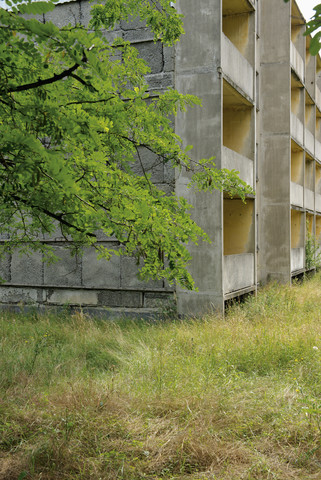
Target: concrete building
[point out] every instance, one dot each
(249, 63)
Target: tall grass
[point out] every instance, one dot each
(210, 398)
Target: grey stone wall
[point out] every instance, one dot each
(98, 286)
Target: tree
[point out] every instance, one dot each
(74, 118)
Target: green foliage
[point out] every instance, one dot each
(75, 116)
(312, 251)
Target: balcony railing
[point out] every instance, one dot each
(297, 194)
(318, 149)
(238, 272)
(236, 67)
(309, 141)
(296, 128)
(308, 199)
(318, 202)
(233, 160)
(297, 259)
(297, 62)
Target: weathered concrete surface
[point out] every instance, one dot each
(235, 66)
(297, 129)
(245, 166)
(297, 259)
(297, 194)
(308, 199)
(297, 62)
(309, 141)
(238, 272)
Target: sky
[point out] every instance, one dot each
(306, 7)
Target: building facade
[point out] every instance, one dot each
(249, 63)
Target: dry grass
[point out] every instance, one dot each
(232, 399)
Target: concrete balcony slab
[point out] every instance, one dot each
(236, 67)
(296, 194)
(234, 161)
(238, 272)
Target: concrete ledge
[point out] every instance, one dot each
(239, 293)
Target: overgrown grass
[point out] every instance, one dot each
(220, 399)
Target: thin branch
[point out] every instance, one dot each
(59, 217)
(47, 81)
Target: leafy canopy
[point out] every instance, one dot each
(75, 116)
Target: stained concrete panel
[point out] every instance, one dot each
(275, 170)
(275, 119)
(27, 269)
(238, 272)
(100, 273)
(62, 15)
(66, 271)
(72, 297)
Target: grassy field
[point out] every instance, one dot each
(220, 399)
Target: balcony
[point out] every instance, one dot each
(318, 202)
(296, 194)
(318, 97)
(297, 62)
(309, 141)
(238, 272)
(234, 161)
(296, 129)
(297, 259)
(236, 67)
(308, 199)
(318, 150)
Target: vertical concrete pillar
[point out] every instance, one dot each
(198, 72)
